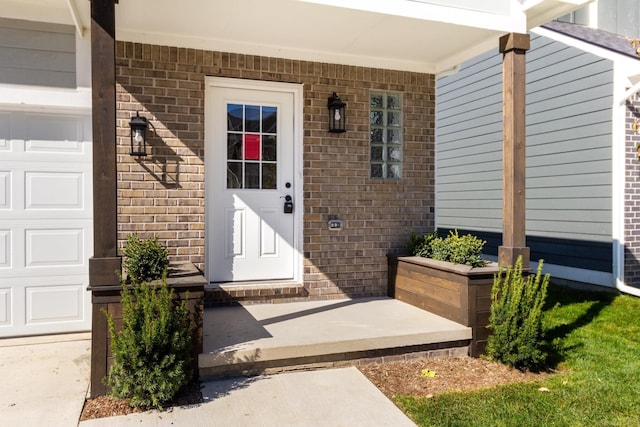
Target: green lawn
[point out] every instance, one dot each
(595, 343)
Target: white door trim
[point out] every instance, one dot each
(297, 91)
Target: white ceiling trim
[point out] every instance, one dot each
(77, 20)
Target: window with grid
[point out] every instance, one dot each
(385, 120)
(251, 146)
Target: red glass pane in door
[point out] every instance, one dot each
(251, 147)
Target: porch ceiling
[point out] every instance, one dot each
(414, 35)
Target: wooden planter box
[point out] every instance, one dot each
(187, 283)
(454, 291)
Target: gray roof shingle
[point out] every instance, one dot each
(600, 38)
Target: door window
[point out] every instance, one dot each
(252, 146)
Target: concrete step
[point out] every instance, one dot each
(267, 338)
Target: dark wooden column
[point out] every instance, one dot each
(513, 46)
(105, 263)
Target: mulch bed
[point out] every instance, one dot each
(105, 406)
(451, 374)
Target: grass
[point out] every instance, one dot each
(594, 342)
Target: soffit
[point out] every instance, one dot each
(414, 35)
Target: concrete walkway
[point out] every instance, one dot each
(45, 381)
(334, 397)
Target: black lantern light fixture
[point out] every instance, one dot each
(336, 114)
(139, 127)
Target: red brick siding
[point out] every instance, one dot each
(164, 194)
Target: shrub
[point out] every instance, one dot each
(146, 259)
(458, 249)
(516, 318)
(153, 350)
(420, 245)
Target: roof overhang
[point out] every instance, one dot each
(413, 35)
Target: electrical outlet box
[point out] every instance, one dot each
(335, 224)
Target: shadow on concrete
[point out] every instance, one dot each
(312, 311)
(213, 390)
(239, 327)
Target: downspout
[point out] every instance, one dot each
(619, 250)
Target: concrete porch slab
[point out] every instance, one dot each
(260, 338)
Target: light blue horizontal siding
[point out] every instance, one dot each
(37, 54)
(569, 98)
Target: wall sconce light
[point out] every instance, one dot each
(336, 114)
(139, 127)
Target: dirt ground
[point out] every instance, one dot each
(420, 378)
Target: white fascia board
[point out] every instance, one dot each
(276, 51)
(514, 22)
(30, 98)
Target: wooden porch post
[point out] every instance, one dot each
(105, 261)
(513, 46)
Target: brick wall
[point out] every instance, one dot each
(164, 193)
(632, 196)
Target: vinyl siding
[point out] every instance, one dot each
(38, 54)
(569, 98)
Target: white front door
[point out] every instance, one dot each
(250, 179)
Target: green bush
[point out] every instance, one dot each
(153, 350)
(146, 259)
(420, 245)
(516, 318)
(458, 249)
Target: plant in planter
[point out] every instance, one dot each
(420, 245)
(145, 259)
(152, 350)
(454, 248)
(458, 289)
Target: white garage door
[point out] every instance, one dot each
(45, 223)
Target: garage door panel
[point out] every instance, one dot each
(5, 307)
(47, 304)
(54, 247)
(54, 190)
(5, 131)
(51, 134)
(45, 248)
(5, 189)
(5, 249)
(44, 305)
